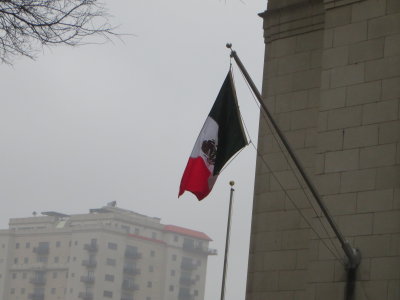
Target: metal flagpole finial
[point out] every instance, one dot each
(231, 183)
(229, 46)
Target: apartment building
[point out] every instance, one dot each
(108, 253)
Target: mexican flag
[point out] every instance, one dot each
(220, 138)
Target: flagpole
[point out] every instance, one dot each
(352, 254)
(228, 231)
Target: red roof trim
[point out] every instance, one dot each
(146, 238)
(188, 232)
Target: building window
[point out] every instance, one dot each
(17, 246)
(24, 275)
(148, 298)
(12, 292)
(58, 244)
(151, 269)
(174, 257)
(176, 238)
(56, 259)
(172, 272)
(188, 243)
(107, 294)
(54, 274)
(196, 292)
(109, 277)
(16, 260)
(42, 259)
(171, 288)
(126, 228)
(131, 252)
(53, 291)
(27, 245)
(112, 246)
(152, 253)
(14, 275)
(44, 245)
(153, 235)
(76, 243)
(111, 262)
(23, 291)
(149, 284)
(26, 260)
(92, 257)
(137, 231)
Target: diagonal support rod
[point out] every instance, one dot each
(352, 254)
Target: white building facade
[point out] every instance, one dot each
(109, 253)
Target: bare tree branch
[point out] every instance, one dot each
(25, 25)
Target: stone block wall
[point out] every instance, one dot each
(332, 82)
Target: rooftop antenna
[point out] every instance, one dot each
(112, 203)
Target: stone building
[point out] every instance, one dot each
(109, 253)
(332, 82)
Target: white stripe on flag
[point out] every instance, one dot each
(208, 132)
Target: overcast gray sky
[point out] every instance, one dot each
(80, 127)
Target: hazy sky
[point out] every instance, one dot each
(80, 127)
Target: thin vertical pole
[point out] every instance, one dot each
(228, 231)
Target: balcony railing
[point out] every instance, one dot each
(130, 286)
(212, 252)
(188, 266)
(86, 295)
(132, 254)
(41, 250)
(186, 280)
(36, 296)
(89, 263)
(38, 280)
(91, 247)
(198, 249)
(131, 271)
(185, 296)
(87, 279)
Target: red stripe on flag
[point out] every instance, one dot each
(195, 178)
